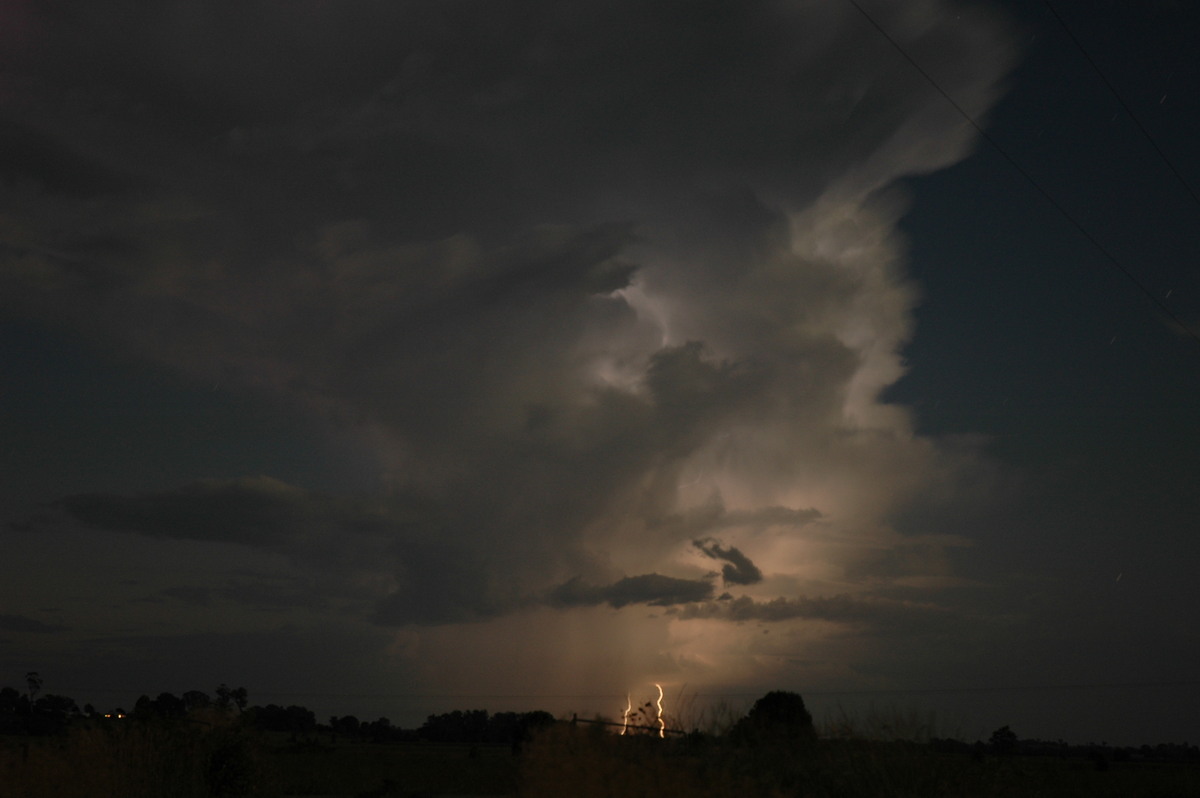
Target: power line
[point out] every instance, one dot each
(1112, 259)
(1117, 96)
(701, 694)
(1026, 688)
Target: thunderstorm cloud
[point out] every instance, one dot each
(600, 293)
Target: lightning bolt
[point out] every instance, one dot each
(662, 726)
(625, 714)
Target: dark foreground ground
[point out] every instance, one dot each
(165, 761)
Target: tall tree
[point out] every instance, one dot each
(33, 685)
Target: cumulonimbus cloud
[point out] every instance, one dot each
(591, 282)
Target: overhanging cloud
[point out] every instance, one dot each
(586, 281)
(653, 589)
(839, 608)
(26, 625)
(738, 569)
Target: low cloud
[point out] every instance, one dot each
(888, 615)
(738, 569)
(255, 511)
(23, 624)
(385, 552)
(653, 589)
(264, 593)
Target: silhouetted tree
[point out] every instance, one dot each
(10, 700)
(778, 715)
(227, 695)
(301, 721)
(379, 730)
(527, 724)
(58, 707)
(33, 685)
(195, 699)
(347, 725)
(143, 708)
(295, 720)
(456, 727)
(1003, 741)
(50, 714)
(168, 705)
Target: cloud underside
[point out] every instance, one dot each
(23, 624)
(609, 292)
(652, 589)
(368, 556)
(738, 569)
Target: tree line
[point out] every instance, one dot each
(29, 711)
(777, 715)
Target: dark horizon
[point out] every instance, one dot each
(864, 713)
(564, 348)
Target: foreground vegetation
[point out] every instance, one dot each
(189, 760)
(159, 760)
(197, 749)
(587, 762)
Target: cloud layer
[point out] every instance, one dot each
(608, 290)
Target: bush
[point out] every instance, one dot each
(777, 716)
(130, 759)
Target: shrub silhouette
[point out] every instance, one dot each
(778, 715)
(1004, 741)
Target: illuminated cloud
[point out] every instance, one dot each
(589, 284)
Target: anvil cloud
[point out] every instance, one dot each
(605, 294)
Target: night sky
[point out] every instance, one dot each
(394, 358)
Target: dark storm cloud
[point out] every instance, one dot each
(653, 589)
(20, 623)
(377, 549)
(190, 594)
(259, 512)
(270, 593)
(33, 158)
(441, 584)
(385, 556)
(738, 569)
(261, 660)
(589, 281)
(887, 615)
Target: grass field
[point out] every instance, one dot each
(165, 761)
(583, 763)
(405, 769)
